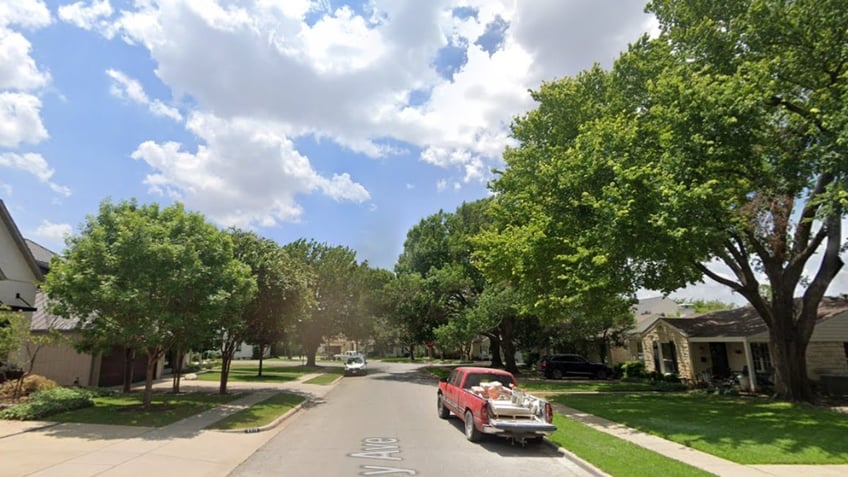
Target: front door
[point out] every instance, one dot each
(718, 356)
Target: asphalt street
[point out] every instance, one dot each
(386, 424)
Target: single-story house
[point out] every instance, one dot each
(719, 343)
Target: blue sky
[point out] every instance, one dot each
(344, 122)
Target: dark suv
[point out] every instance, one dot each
(558, 365)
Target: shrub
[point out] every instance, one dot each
(51, 401)
(633, 369)
(666, 386)
(31, 384)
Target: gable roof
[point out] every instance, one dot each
(6, 219)
(742, 322)
(41, 254)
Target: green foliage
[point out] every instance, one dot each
(706, 306)
(333, 271)
(48, 402)
(724, 138)
(145, 278)
(633, 369)
(14, 332)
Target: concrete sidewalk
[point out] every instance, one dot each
(182, 448)
(707, 462)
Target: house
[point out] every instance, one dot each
(19, 273)
(723, 342)
(645, 313)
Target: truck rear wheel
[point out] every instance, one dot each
(444, 412)
(556, 374)
(471, 432)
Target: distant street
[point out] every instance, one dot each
(386, 424)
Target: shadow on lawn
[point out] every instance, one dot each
(744, 430)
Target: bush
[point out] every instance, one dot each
(48, 402)
(633, 369)
(31, 384)
(667, 386)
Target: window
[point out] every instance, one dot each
(761, 357)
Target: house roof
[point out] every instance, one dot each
(742, 322)
(648, 310)
(41, 254)
(6, 218)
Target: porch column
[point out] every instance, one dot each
(752, 373)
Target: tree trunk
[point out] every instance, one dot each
(261, 354)
(228, 349)
(152, 359)
(226, 359)
(412, 351)
(507, 343)
(495, 349)
(177, 369)
(789, 353)
(129, 359)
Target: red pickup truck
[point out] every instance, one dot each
(489, 402)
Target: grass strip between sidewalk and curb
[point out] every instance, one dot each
(615, 456)
(323, 379)
(260, 414)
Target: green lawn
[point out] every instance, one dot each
(270, 373)
(568, 386)
(325, 378)
(743, 430)
(125, 409)
(615, 456)
(261, 413)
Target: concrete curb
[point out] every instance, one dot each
(276, 422)
(585, 465)
(279, 420)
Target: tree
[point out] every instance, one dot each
(139, 276)
(332, 271)
(14, 332)
(724, 138)
(283, 296)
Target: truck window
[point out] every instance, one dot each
(452, 378)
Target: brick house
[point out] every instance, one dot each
(736, 341)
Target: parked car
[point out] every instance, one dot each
(559, 365)
(356, 366)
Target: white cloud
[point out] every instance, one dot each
(17, 67)
(20, 120)
(347, 76)
(26, 13)
(88, 16)
(125, 87)
(55, 233)
(246, 173)
(35, 165)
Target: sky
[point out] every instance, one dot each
(342, 122)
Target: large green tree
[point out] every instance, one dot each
(723, 140)
(138, 276)
(333, 271)
(283, 293)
